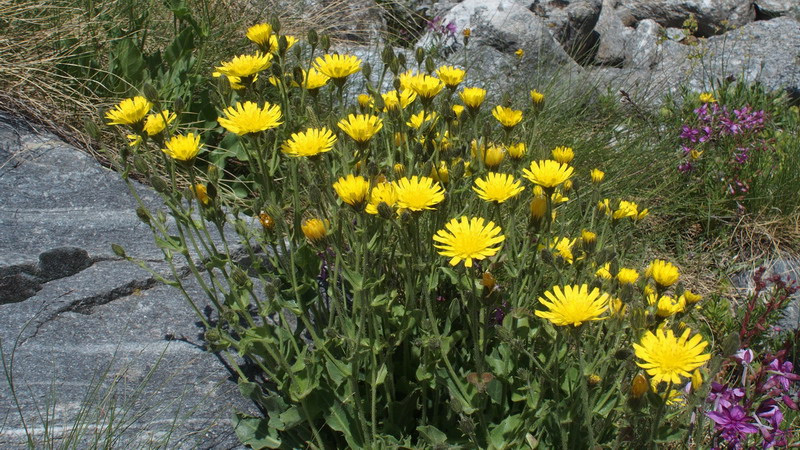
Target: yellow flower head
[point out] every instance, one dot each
(604, 272)
(508, 118)
(664, 273)
(260, 34)
(639, 386)
(381, 193)
(183, 147)
(707, 97)
(473, 97)
(266, 221)
(417, 120)
(426, 86)
(393, 100)
(311, 142)
(588, 240)
(666, 306)
(626, 209)
(690, 297)
(418, 193)
(338, 66)
(129, 111)
(468, 239)
(597, 175)
(244, 66)
(451, 76)
(548, 173)
(406, 78)
(441, 173)
(314, 79)
(517, 151)
(519, 53)
(497, 187)
(493, 156)
(627, 276)
(564, 155)
(201, 193)
(538, 206)
(458, 110)
(365, 101)
(563, 248)
(315, 229)
(353, 190)
(361, 127)
(155, 123)
(667, 358)
(250, 118)
(275, 43)
(537, 97)
(573, 305)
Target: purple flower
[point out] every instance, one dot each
(685, 167)
(690, 133)
(744, 356)
(724, 397)
(781, 374)
(733, 423)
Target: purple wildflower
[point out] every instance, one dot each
(733, 423)
(685, 167)
(690, 133)
(781, 374)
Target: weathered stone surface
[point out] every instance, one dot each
(94, 334)
(769, 9)
(572, 23)
(713, 16)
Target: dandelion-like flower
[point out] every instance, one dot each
(664, 273)
(667, 358)
(315, 229)
(517, 151)
(627, 276)
(468, 239)
(473, 97)
(426, 86)
(365, 101)
(458, 110)
(353, 190)
(418, 193)
(313, 79)
(361, 127)
(155, 123)
(275, 43)
(311, 142)
(573, 305)
(417, 120)
(564, 155)
(707, 97)
(497, 187)
(597, 175)
(248, 117)
(563, 248)
(666, 306)
(381, 193)
(338, 66)
(129, 111)
(451, 76)
(548, 173)
(244, 66)
(183, 147)
(260, 34)
(537, 97)
(392, 100)
(508, 118)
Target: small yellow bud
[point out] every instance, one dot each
(594, 379)
(266, 221)
(690, 297)
(467, 32)
(493, 157)
(538, 206)
(537, 97)
(488, 281)
(639, 386)
(399, 169)
(564, 155)
(597, 175)
(365, 101)
(201, 193)
(697, 380)
(315, 229)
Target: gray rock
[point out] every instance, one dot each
(713, 16)
(612, 36)
(769, 9)
(572, 23)
(93, 336)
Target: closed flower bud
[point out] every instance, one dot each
(594, 380)
(240, 277)
(266, 221)
(143, 215)
(488, 281)
(141, 165)
(457, 170)
(639, 386)
(385, 211)
(588, 241)
(313, 38)
(697, 380)
(159, 184)
(315, 229)
(118, 250)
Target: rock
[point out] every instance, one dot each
(94, 337)
(572, 23)
(713, 16)
(612, 36)
(769, 9)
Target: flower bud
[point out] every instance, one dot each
(594, 380)
(385, 211)
(639, 386)
(312, 37)
(118, 250)
(266, 221)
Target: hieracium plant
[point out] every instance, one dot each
(411, 268)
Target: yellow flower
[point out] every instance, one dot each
(274, 42)
(250, 118)
(426, 86)
(664, 273)
(361, 127)
(399, 169)
(315, 229)
(458, 109)
(418, 193)
(497, 187)
(538, 206)
(667, 358)
(466, 32)
(666, 306)
(468, 239)
(564, 155)
(588, 240)
(473, 97)
(707, 97)
(156, 123)
(130, 111)
(517, 151)
(406, 79)
(133, 140)
(597, 175)
(260, 34)
(311, 142)
(393, 100)
(548, 173)
(493, 156)
(338, 66)
(417, 120)
(537, 97)
(604, 272)
(696, 154)
(639, 386)
(563, 247)
(690, 297)
(353, 190)
(451, 76)
(440, 174)
(201, 193)
(183, 147)
(266, 221)
(697, 380)
(314, 79)
(381, 193)
(365, 101)
(627, 276)
(244, 66)
(519, 53)
(573, 305)
(626, 209)
(508, 118)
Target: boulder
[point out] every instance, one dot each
(94, 338)
(713, 16)
(612, 36)
(769, 9)
(572, 23)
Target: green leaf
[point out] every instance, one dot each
(341, 420)
(432, 435)
(255, 432)
(382, 373)
(335, 372)
(181, 47)
(503, 435)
